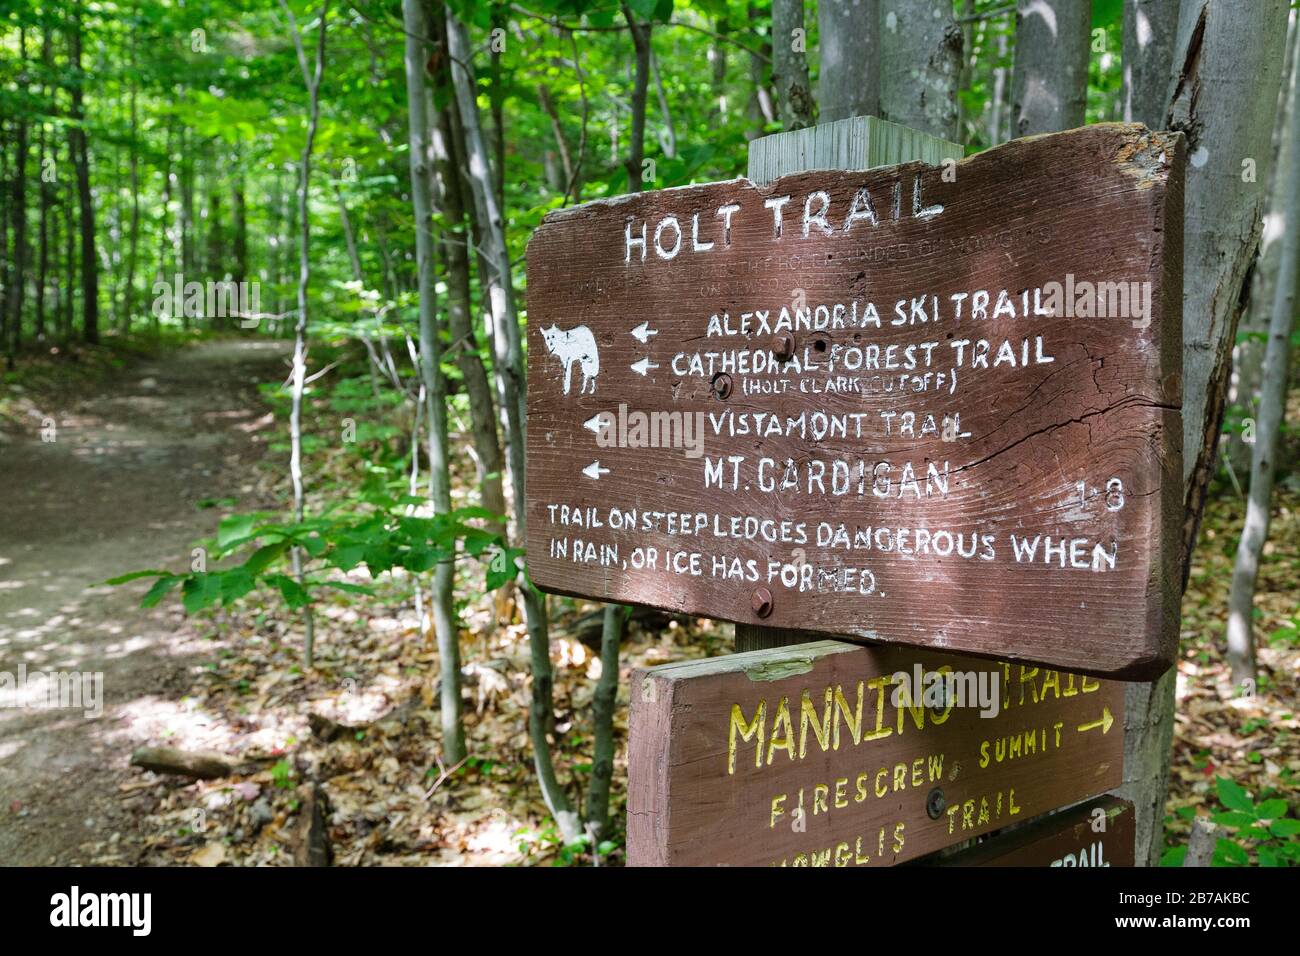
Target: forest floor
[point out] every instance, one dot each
(139, 450)
(135, 450)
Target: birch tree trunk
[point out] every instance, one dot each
(1252, 334)
(794, 99)
(848, 83)
(1148, 55)
(435, 391)
(509, 368)
(1049, 78)
(1272, 410)
(1223, 95)
(920, 61)
(312, 80)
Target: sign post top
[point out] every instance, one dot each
(856, 143)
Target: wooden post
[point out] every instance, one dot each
(856, 143)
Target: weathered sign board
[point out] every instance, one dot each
(1097, 833)
(924, 405)
(831, 754)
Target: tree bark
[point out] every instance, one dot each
(636, 146)
(1225, 108)
(920, 61)
(446, 626)
(16, 278)
(1272, 411)
(312, 80)
(1148, 54)
(89, 264)
(794, 99)
(464, 342)
(848, 83)
(1252, 333)
(603, 705)
(509, 367)
(760, 109)
(1049, 78)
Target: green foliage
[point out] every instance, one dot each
(1262, 833)
(383, 539)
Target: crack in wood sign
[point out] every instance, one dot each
(925, 405)
(828, 754)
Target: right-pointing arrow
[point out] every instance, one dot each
(1104, 722)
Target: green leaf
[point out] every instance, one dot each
(234, 528)
(293, 593)
(1271, 809)
(200, 591)
(1234, 818)
(1173, 856)
(160, 589)
(1285, 828)
(1227, 853)
(235, 583)
(1232, 796)
(262, 558)
(135, 575)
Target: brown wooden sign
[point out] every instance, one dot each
(1097, 833)
(922, 405)
(829, 754)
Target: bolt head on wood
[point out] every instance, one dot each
(761, 602)
(722, 385)
(783, 346)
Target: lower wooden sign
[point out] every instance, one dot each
(1097, 833)
(831, 754)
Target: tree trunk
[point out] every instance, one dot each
(128, 296)
(794, 99)
(603, 704)
(636, 146)
(1272, 411)
(848, 83)
(442, 604)
(312, 80)
(1225, 107)
(89, 264)
(464, 341)
(16, 278)
(1049, 79)
(920, 44)
(509, 366)
(760, 109)
(1149, 28)
(1252, 334)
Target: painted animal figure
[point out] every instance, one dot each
(574, 345)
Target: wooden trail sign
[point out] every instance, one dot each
(832, 754)
(1097, 833)
(921, 405)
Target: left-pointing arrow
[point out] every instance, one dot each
(643, 366)
(595, 471)
(595, 423)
